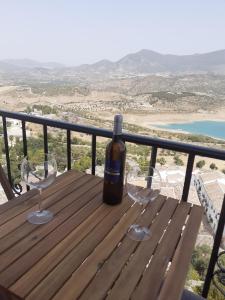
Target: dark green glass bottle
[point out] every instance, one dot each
(114, 165)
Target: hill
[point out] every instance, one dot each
(143, 62)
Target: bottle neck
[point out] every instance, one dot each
(117, 129)
(116, 137)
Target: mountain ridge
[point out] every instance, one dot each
(142, 62)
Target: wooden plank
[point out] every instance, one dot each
(25, 205)
(83, 275)
(131, 273)
(43, 267)
(13, 253)
(52, 283)
(30, 231)
(24, 263)
(27, 195)
(153, 276)
(17, 201)
(7, 295)
(86, 253)
(175, 279)
(19, 227)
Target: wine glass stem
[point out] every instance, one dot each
(39, 200)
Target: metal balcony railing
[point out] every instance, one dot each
(154, 143)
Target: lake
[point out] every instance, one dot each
(214, 129)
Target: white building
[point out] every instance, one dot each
(173, 183)
(211, 189)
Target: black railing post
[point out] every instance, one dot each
(68, 141)
(45, 134)
(188, 175)
(153, 157)
(7, 150)
(215, 250)
(93, 154)
(24, 134)
(152, 165)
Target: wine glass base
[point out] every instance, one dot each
(40, 217)
(138, 233)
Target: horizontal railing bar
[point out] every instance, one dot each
(132, 138)
(175, 146)
(57, 123)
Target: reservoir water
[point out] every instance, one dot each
(214, 129)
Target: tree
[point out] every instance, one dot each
(200, 259)
(14, 162)
(214, 294)
(178, 161)
(161, 161)
(28, 109)
(82, 164)
(142, 162)
(11, 140)
(192, 274)
(100, 157)
(213, 166)
(200, 164)
(1, 150)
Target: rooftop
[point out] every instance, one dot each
(215, 191)
(212, 176)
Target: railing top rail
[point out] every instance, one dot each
(133, 138)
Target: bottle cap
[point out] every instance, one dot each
(118, 119)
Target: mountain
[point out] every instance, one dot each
(24, 64)
(151, 62)
(142, 62)
(147, 61)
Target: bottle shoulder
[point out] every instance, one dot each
(116, 144)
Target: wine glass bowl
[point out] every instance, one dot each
(175, 180)
(143, 185)
(39, 174)
(140, 191)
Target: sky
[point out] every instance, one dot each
(75, 32)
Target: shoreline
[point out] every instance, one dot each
(150, 120)
(166, 118)
(187, 118)
(188, 132)
(153, 121)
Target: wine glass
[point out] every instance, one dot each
(39, 174)
(175, 180)
(143, 185)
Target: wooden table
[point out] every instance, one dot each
(84, 251)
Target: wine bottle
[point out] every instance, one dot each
(114, 165)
